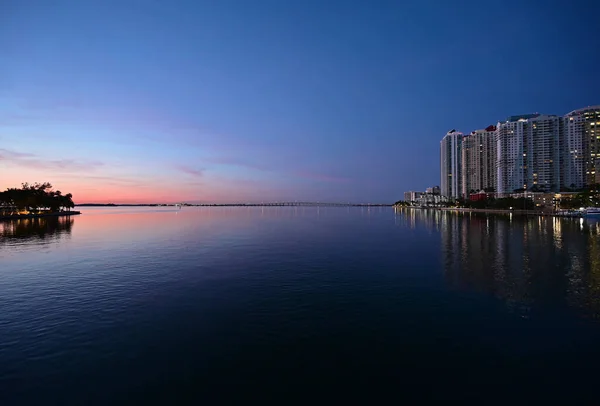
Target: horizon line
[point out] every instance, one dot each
(283, 202)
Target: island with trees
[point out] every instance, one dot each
(35, 200)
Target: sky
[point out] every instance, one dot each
(148, 101)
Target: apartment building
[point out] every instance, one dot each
(450, 165)
(478, 160)
(581, 147)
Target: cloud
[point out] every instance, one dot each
(33, 161)
(105, 180)
(6, 154)
(191, 171)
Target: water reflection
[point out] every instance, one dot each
(530, 263)
(39, 228)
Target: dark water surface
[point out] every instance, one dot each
(155, 306)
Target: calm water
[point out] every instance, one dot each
(125, 306)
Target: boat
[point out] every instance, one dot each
(592, 212)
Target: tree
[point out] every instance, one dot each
(34, 198)
(67, 201)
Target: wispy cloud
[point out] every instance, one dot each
(105, 180)
(5, 154)
(33, 161)
(191, 171)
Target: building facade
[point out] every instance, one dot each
(450, 165)
(434, 190)
(510, 135)
(430, 199)
(411, 196)
(529, 153)
(542, 153)
(478, 161)
(581, 148)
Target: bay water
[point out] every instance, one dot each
(133, 305)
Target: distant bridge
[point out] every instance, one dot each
(287, 204)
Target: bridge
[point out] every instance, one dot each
(287, 204)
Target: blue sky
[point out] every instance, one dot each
(137, 100)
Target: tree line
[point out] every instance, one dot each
(588, 198)
(34, 199)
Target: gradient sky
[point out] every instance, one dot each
(160, 101)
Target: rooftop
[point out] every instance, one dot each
(522, 116)
(583, 110)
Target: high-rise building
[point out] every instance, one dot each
(510, 136)
(478, 161)
(581, 147)
(450, 164)
(529, 153)
(409, 196)
(542, 153)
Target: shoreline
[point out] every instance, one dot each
(35, 216)
(495, 211)
(243, 205)
(498, 211)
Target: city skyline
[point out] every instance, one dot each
(150, 102)
(538, 152)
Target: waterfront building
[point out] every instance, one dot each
(510, 140)
(529, 153)
(581, 147)
(542, 153)
(410, 196)
(450, 165)
(430, 200)
(434, 190)
(478, 161)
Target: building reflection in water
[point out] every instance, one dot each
(529, 263)
(409, 218)
(39, 228)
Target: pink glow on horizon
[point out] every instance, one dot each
(105, 189)
(90, 180)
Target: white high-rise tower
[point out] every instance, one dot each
(450, 165)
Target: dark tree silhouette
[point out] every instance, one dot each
(34, 198)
